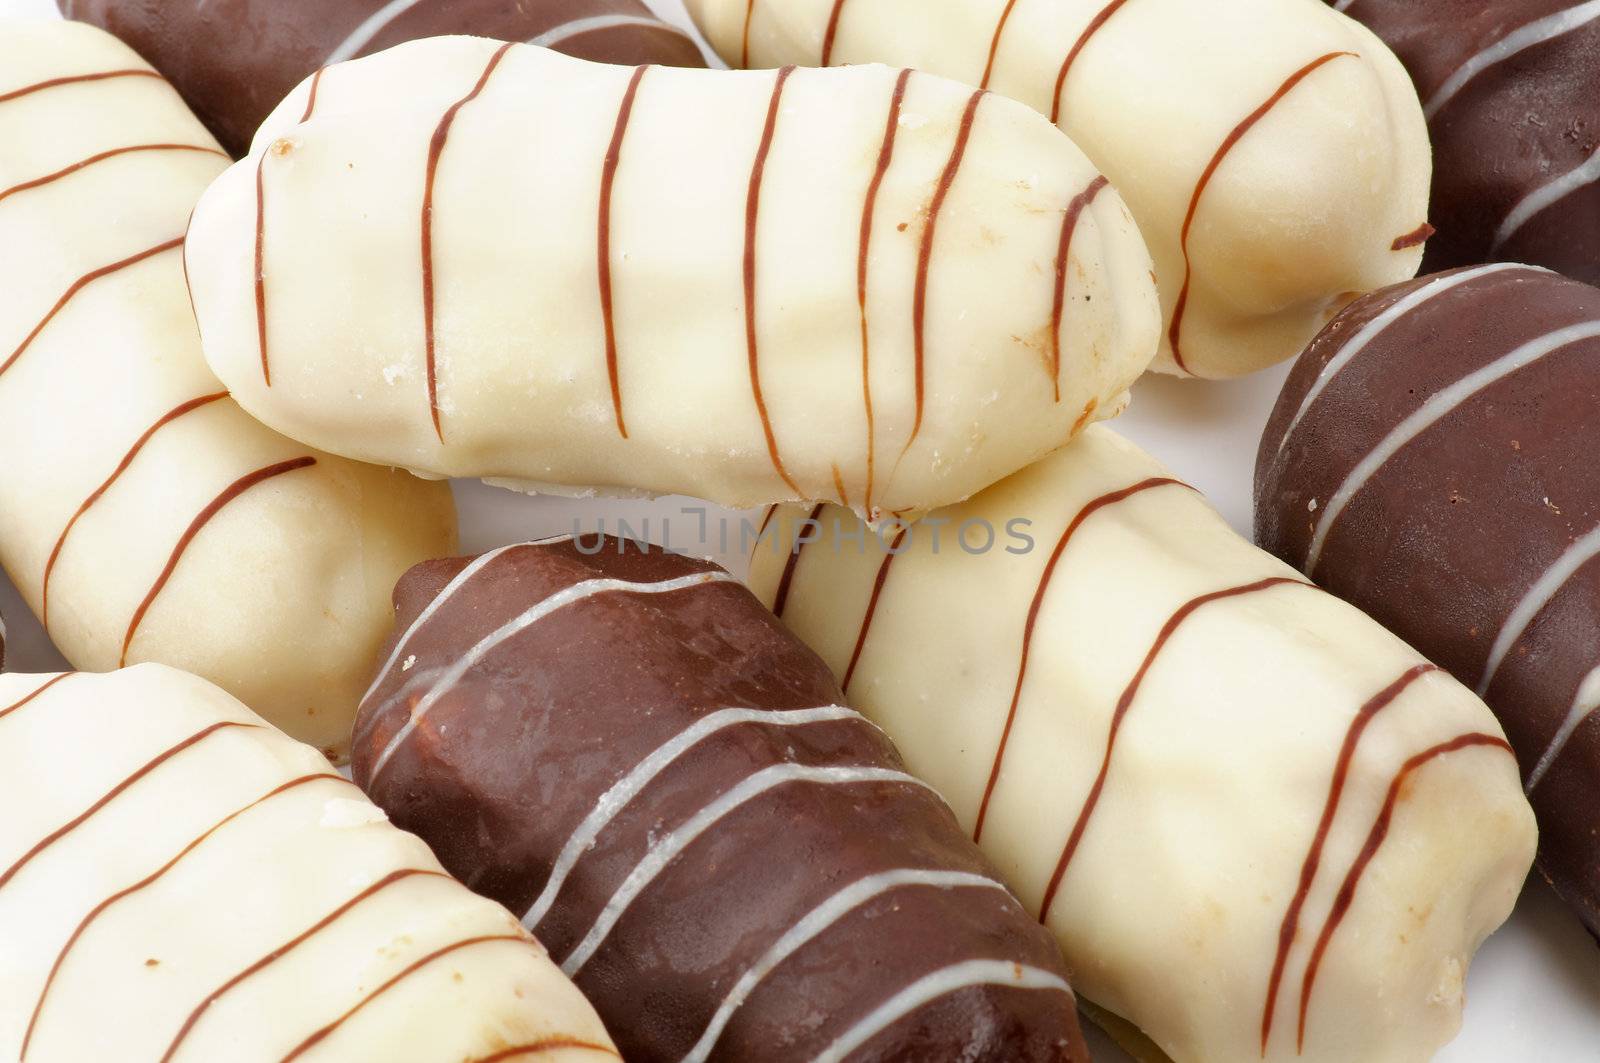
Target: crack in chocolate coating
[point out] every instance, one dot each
(233, 60)
(730, 863)
(1512, 94)
(1478, 538)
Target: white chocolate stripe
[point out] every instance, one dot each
(576, 593)
(1546, 196)
(1533, 602)
(1430, 412)
(664, 851)
(1585, 704)
(814, 923)
(1343, 5)
(629, 786)
(373, 25)
(938, 984)
(568, 30)
(1378, 325)
(1520, 39)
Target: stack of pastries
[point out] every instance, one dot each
(1005, 723)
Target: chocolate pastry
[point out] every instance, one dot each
(1431, 459)
(1512, 94)
(233, 60)
(197, 886)
(1273, 154)
(148, 517)
(1260, 826)
(744, 287)
(732, 865)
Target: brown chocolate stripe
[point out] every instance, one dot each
(1069, 226)
(872, 605)
(744, 50)
(116, 791)
(869, 211)
(782, 597)
(994, 43)
(1380, 829)
(608, 176)
(75, 79)
(1125, 702)
(549, 1044)
(752, 214)
(289, 946)
(919, 309)
(133, 452)
(828, 37)
(1174, 332)
(100, 909)
(231, 492)
(311, 96)
(1419, 235)
(521, 939)
(15, 705)
(78, 286)
(1099, 20)
(1308, 871)
(1089, 510)
(261, 238)
(441, 134)
(84, 164)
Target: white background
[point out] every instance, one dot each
(1534, 991)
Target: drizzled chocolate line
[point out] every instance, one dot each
(919, 309)
(828, 37)
(539, 1047)
(84, 164)
(838, 486)
(1100, 19)
(78, 286)
(782, 597)
(1380, 829)
(437, 954)
(100, 909)
(752, 212)
(1228, 143)
(116, 791)
(311, 95)
(1069, 226)
(231, 492)
(608, 176)
(133, 452)
(75, 79)
(994, 43)
(260, 266)
(872, 605)
(1539, 31)
(869, 211)
(744, 50)
(1414, 238)
(289, 946)
(1544, 197)
(441, 134)
(1089, 510)
(1125, 702)
(15, 705)
(1308, 870)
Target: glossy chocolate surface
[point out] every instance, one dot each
(1432, 459)
(631, 750)
(233, 60)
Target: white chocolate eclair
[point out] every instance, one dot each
(200, 887)
(871, 286)
(1260, 826)
(1273, 152)
(148, 517)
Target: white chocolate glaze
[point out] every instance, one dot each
(865, 285)
(1248, 813)
(1273, 152)
(147, 516)
(198, 888)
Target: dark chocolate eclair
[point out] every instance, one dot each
(233, 60)
(624, 745)
(1511, 90)
(1432, 460)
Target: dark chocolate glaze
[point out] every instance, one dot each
(499, 758)
(1504, 130)
(234, 60)
(1478, 538)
